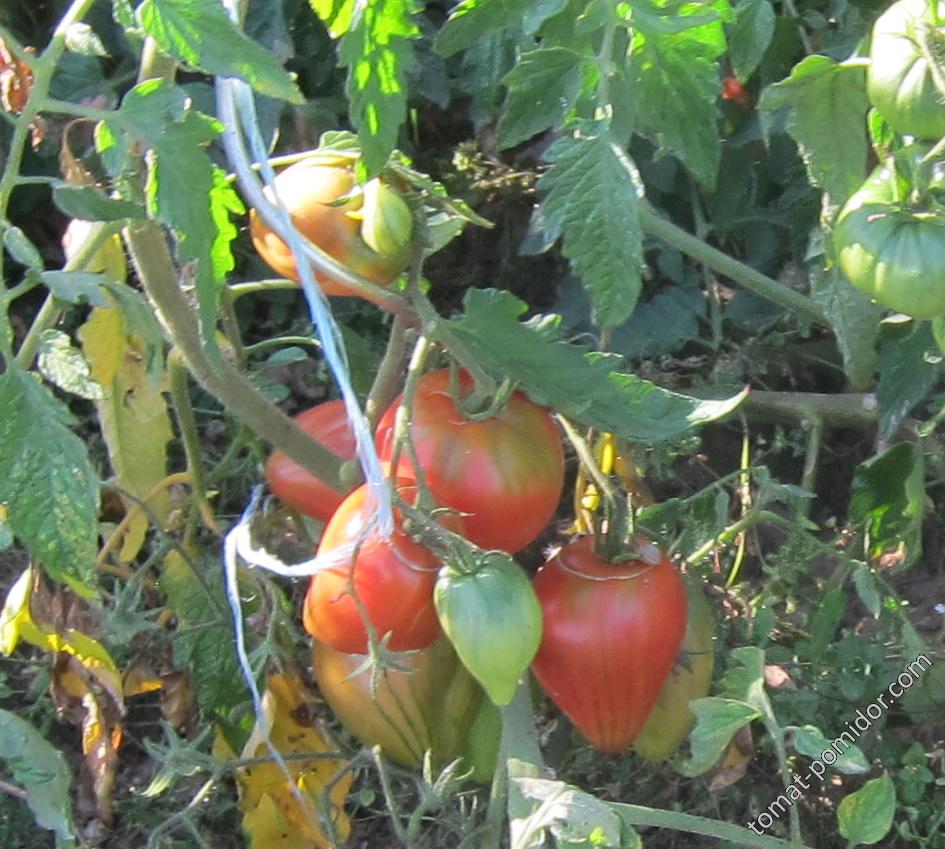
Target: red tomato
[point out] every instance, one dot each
(733, 90)
(393, 579)
(504, 473)
(611, 635)
(325, 423)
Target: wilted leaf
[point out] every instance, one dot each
(734, 761)
(283, 811)
(133, 416)
(99, 716)
(16, 80)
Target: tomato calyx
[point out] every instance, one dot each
(484, 400)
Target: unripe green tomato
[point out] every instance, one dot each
(899, 79)
(671, 719)
(892, 247)
(493, 620)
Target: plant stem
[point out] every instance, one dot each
(848, 410)
(640, 815)
(190, 437)
(745, 275)
(386, 381)
(149, 252)
(237, 290)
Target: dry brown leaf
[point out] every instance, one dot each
(283, 814)
(778, 677)
(734, 761)
(178, 700)
(84, 703)
(16, 80)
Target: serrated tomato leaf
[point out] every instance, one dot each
(378, 50)
(674, 70)
(200, 34)
(826, 104)
(590, 195)
(473, 19)
(585, 386)
(48, 485)
(542, 88)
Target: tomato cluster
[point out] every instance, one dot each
(500, 478)
(889, 237)
(601, 634)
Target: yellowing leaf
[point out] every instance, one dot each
(17, 623)
(104, 343)
(283, 814)
(133, 416)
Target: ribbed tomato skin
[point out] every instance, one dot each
(505, 473)
(327, 424)
(393, 580)
(611, 635)
(313, 192)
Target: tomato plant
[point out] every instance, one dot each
(393, 580)
(671, 719)
(367, 229)
(431, 703)
(611, 635)
(891, 244)
(328, 424)
(504, 473)
(901, 79)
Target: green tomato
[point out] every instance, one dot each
(493, 619)
(892, 246)
(899, 80)
(671, 719)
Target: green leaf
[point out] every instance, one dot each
(826, 105)
(867, 815)
(378, 51)
(586, 387)
(201, 34)
(483, 66)
(64, 366)
(867, 589)
(662, 324)
(674, 72)
(336, 15)
(43, 773)
(90, 204)
(888, 500)
(591, 195)
(47, 483)
(573, 817)
(908, 369)
(717, 722)
(204, 641)
(744, 679)
(22, 249)
(750, 35)
(473, 19)
(855, 320)
(76, 287)
(825, 621)
(185, 189)
(811, 742)
(542, 88)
